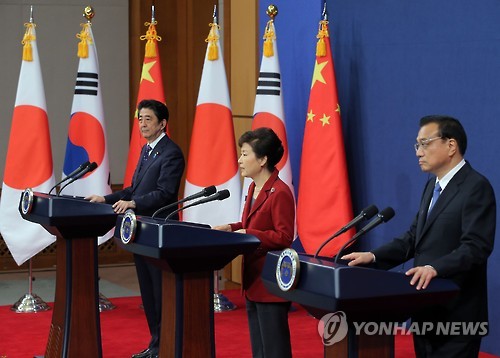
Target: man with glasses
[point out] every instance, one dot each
(451, 236)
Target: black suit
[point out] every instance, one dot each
(456, 239)
(155, 184)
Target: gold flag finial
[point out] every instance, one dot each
(84, 35)
(88, 13)
(269, 35)
(272, 11)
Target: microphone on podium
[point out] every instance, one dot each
(384, 216)
(209, 190)
(365, 214)
(70, 175)
(89, 168)
(220, 195)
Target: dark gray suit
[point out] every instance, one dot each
(456, 239)
(155, 184)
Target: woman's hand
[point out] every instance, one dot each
(226, 227)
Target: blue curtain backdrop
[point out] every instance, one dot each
(397, 61)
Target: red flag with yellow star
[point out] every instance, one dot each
(324, 201)
(151, 87)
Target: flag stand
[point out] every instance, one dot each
(30, 302)
(221, 302)
(105, 304)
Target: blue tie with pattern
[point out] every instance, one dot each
(435, 196)
(146, 153)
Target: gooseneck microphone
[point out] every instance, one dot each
(70, 175)
(89, 168)
(365, 214)
(209, 190)
(220, 195)
(384, 216)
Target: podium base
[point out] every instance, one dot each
(105, 304)
(30, 303)
(222, 303)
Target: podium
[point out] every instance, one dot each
(188, 254)
(363, 294)
(75, 328)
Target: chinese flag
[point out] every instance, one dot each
(151, 87)
(324, 200)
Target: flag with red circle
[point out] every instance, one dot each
(268, 107)
(212, 156)
(87, 129)
(29, 157)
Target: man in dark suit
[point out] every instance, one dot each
(451, 237)
(155, 184)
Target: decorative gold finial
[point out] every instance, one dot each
(272, 11)
(88, 13)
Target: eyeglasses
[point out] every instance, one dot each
(424, 143)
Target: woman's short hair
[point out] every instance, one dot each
(264, 143)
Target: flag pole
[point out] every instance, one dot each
(30, 302)
(88, 13)
(221, 302)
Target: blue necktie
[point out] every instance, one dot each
(146, 153)
(435, 196)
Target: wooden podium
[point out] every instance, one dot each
(75, 328)
(188, 254)
(363, 294)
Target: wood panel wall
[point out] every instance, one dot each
(183, 26)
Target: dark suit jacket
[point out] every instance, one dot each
(156, 182)
(271, 219)
(456, 239)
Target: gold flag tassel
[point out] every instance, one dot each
(151, 36)
(27, 38)
(213, 50)
(269, 36)
(322, 33)
(85, 40)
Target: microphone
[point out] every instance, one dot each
(89, 168)
(209, 190)
(384, 216)
(366, 213)
(70, 175)
(221, 195)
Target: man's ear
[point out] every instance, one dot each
(453, 146)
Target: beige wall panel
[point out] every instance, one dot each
(58, 22)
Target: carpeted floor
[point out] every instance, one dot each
(124, 331)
